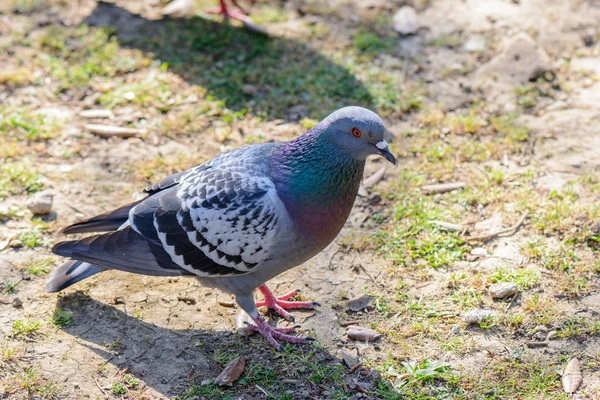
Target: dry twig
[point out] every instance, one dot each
(492, 235)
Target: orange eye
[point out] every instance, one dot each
(356, 132)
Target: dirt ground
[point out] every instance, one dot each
(501, 96)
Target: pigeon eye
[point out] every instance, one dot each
(356, 132)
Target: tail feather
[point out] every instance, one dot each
(123, 250)
(109, 221)
(70, 273)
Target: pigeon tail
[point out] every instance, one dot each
(70, 273)
(109, 221)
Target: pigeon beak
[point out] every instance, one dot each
(384, 150)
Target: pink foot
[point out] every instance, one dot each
(271, 334)
(227, 13)
(280, 305)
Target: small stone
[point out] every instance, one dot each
(477, 315)
(76, 385)
(479, 252)
(552, 335)
(519, 61)
(375, 199)
(16, 244)
(503, 290)
(541, 336)
(406, 21)
(296, 113)
(40, 203)
(249, 89)
(540, 328)
(455, 329)
(17, 302)
(474, 45)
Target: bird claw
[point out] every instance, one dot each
(271, 334)
(280, 304)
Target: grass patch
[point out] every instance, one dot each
(35, 386)
(524, 278)
(19, 178)
(41, 266)
(61, 318)
(25, 329)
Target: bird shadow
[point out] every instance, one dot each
(169, 361)
(272, 76)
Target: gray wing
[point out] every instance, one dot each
(215, 221)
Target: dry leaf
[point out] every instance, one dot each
(349, 359)
(359, 302)
(571, 378)
(363, 334)
(232, 371)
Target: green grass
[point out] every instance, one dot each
(25, 329)
(33, 384)
(19, 177)
(8, 287)
(118, 389)
(41, 266)
(61, 318)
(524, 278)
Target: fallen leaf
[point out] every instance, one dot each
(363, 334)
(359, 302)
(349, 359)
(572, 378)
(6, 242)
(232, 372)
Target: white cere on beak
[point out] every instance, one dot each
(381, 145)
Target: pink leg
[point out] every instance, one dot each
(279, 304)
(271, 333)
(227, 13)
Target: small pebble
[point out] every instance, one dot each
(503, 290)
(455, 329)
(477, 315)
(479, 252)
(540, 328)
(552, 335)
(249, 89)
(17, 302)
(16, 244)
(40, 203)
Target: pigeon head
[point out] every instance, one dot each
(356, 132)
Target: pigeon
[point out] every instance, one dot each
(238, 220)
